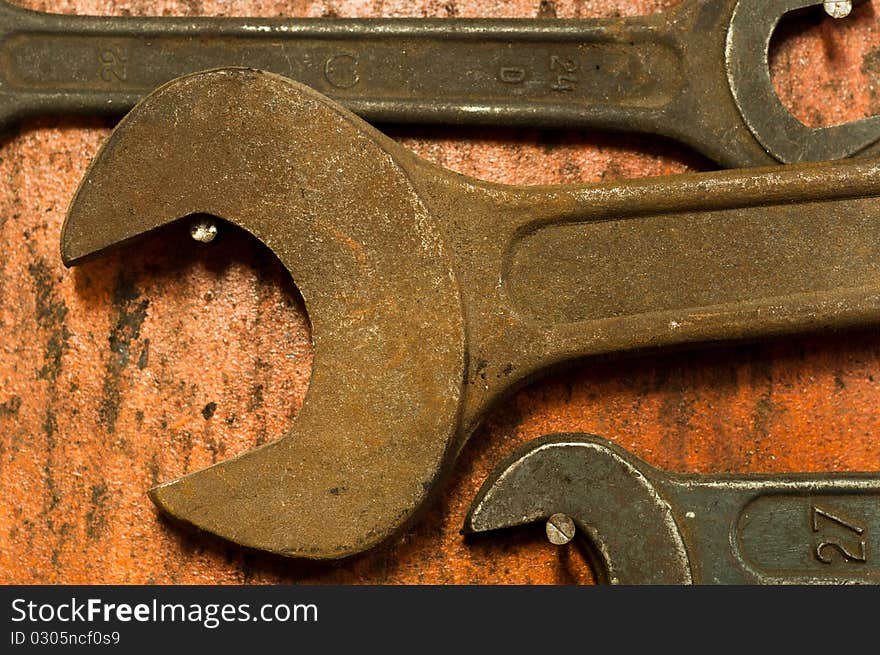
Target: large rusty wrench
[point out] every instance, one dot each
(697, 73)
(646, 526)
(432, 294)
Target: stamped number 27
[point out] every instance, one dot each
(853, 550)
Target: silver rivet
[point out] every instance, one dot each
(560, 529)
(203, 229)
(838, 8)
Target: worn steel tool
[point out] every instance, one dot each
(698, 73)
(642, 525)
(431, 294)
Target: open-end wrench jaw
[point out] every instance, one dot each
(779, 132)
(643, 525)
(314, 184)
(630, 528)
(432, 295)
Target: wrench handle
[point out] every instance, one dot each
(586, 73)
(796, 529)
(583, 271)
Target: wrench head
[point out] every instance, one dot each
(610, 495)
(324, 192)
(782, 135)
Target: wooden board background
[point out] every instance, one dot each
(153, 363)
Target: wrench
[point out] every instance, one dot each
(697, 74)
(431, 294)
(646, 526)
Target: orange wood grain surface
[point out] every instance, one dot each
(169, 356)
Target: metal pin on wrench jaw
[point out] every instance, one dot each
(631, 529)
(646, 526)
(838, 8)
(432, 295)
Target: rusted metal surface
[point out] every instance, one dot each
(697, 73)
(465, 289)
(73, 482)
(642, 525)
